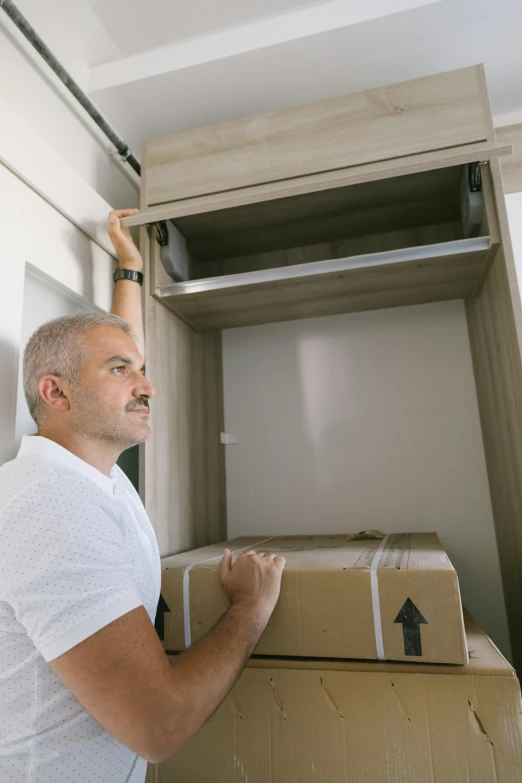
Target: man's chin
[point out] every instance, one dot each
(139, 435)
(143, 434)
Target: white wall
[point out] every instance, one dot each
(58, 178)
(44, 299)
(29, 86)
(362, 421)
(33, 231)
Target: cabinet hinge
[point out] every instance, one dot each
(474, 177)
(162, 233)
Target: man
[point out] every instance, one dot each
(86, 690)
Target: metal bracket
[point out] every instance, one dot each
(173, 250)
(474, 177)
(471, 200)
(162, 233)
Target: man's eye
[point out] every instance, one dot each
(119, 368)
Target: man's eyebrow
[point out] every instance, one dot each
(122, 360)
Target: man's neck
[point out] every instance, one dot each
(100, 456)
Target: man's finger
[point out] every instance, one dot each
(226, 563)
(123, 212)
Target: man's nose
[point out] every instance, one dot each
(144, 388)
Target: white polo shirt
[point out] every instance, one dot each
(77, 551)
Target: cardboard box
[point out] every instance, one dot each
(304, 721)
(396, 599)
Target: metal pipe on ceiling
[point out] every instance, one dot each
(36, 42)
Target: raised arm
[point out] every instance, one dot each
(127, 294)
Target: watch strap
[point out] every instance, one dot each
(128, 274)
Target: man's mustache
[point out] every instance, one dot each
(139, 403)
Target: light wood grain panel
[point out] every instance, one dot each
(512, 164)
(429, 113)
(370, 172)
(353, 290)
(486, 103)
(338, 305)
(495, 327)
(489, 225)
(214, 452)
(148, 277)
(182, 462)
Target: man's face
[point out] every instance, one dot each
(109, 400)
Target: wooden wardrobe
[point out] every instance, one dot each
(382, 198)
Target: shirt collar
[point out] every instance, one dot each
(36, 445)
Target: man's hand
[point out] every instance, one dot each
(129, 257)
(253, 582)
(127, 294)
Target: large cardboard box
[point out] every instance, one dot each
(395, 599)
(304, 721)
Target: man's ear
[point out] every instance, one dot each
(55, 392)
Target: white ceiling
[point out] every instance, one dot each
(189, 64)
(136, 26)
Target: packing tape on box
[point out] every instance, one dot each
(376, 604)
(186, 585)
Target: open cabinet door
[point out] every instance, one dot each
(182, 468)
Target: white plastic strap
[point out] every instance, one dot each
(375, 599)
(186, 585)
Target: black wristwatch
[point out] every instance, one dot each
(128, 274)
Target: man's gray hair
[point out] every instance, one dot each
(57, 348)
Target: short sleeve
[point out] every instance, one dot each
(64, 569)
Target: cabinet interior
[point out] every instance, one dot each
(396, 241)
(415, 209)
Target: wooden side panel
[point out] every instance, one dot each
(495, 327)
(183, 472)
(431, 113)
(512, 164)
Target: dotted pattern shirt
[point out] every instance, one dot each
(77, 551)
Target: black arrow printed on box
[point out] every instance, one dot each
(411, 619)
(159, 622)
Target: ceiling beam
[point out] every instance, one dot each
(245, 38)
